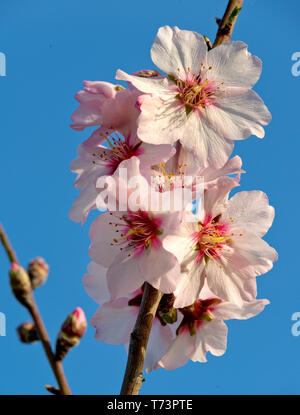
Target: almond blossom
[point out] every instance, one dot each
(129, 243)
(205, 101)
(96, 160)
(202, 329)
(114, 320)
(103, 104)
(224, 247)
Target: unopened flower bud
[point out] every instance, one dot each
(70, 333)
(27, 332)
(20, 283)
(38, 271)
(147, 73)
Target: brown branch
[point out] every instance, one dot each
(228, 21)
(133, 377)
(56, 365)
(31, 306)
(7, 246)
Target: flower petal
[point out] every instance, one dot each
(234, 65)
(175, 50)
(251, 211)
(114, 321)
(210, 337)
(95, 283)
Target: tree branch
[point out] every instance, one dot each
(31, 306)
(133, 377)
(228, 21)
(7, 246)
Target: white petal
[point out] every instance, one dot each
(205, 141)
(251, 211)
(234, 65)
(160, 86)
(239, 114)
(102, 234)
(179, 352)
(159, 341)
(160, 268)
(189, 288)
(175, 49)
(226, 310)
(232, 166)
(229, 285)
(83, 204)
(124, 275)
(216, 197)
(114, 321)
(95, 283)
(210, 337)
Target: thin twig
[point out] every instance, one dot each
(228, 21)
(7, 246)
(31, 306)
(133, 377)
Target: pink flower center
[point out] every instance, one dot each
(120, 150)
(195, 314)
(211, 239)
(138, 232)
(196, 91)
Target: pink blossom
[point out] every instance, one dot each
(224, 247)
(205, 101)
(106, 105)
(129, 243)
(202, 329)
(96, 160)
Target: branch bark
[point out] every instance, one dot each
(32, 307)
(133, 377)
(226, 25)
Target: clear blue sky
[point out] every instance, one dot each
(51, 46)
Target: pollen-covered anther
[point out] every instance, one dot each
(196, 90)
(211, 239)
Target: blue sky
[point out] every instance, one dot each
(51, 46)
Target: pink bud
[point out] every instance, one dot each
(14, 266)
(75, 324)
(38, 271)
(70, 333)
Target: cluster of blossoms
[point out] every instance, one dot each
(161, 127)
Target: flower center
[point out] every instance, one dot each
(138, 231)
(211, 239)
(120, 150)
(195, 314)
(196, 91)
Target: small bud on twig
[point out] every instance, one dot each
(20, 284)
(27, 332)
(38, 271)
(70, 333)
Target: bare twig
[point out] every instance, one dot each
(227, 23)
(139, 337)
(7, 246)
(138, 341)
(31, 306)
